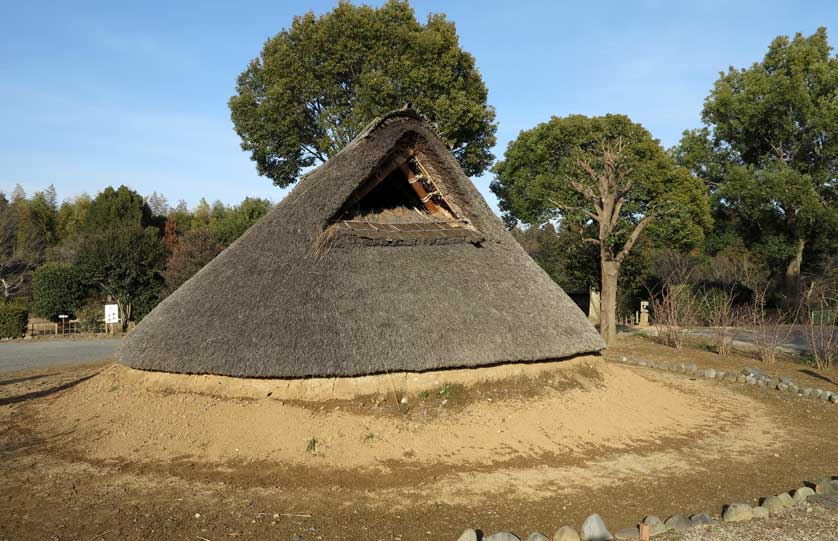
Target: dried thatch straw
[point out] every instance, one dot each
(404, 295)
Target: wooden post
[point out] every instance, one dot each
(430, 206)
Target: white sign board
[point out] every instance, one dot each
(111, 313)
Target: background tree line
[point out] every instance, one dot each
(755, 187)
(70, 258)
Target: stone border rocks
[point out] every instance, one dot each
(748, 376)
(823, 491)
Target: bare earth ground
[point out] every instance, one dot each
(104, 452)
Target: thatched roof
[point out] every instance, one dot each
(329, 283)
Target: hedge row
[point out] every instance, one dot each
(13, 321)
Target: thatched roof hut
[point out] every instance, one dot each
(385, 258)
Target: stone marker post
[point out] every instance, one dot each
(644, 314)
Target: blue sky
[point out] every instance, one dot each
(100, 93)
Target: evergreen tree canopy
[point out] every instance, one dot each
(117, 208)
(58, 288)
(318, 83)
(533, 182)
(769, 151)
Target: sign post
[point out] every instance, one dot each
(111, 315)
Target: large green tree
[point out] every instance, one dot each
(317, 84)
(770, 150)
(58, 288)
(71, 216)
(117, 208)
(608, 178)
(232, 223)
(125, 263)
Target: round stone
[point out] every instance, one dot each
(825, 485)
(738, 512)
(537, 536)
(468, 535)
(502, 536)
(773, 504)
(761, 512)
(656, 525)
(677, 522)
(802, 493)
(566, 533)
(701, 519)
(594, 529)
(756, 372)
(785, 499)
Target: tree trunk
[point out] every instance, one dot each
(124, 314)
(608, 300)
(792, 277)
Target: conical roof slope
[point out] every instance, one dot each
(386, 258)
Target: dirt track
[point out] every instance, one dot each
(75, 466)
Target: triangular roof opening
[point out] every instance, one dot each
(401, 203)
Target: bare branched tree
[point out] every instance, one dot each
(675, 306)
(13, 277)
(770, 329)
(821, 304)
(608, 190)
(722, 315)
(721, 310)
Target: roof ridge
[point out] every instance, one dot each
(408, 111)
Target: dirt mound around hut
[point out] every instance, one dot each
(566, 374)
(525, 412)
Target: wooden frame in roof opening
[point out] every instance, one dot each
(400, 203)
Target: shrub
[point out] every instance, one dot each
(90, 318)
(57, 288)
(13, 321)
(821, 304)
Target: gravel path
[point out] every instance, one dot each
(802, 523)
(31, 354)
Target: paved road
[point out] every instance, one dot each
(31, 354)
(791, 341)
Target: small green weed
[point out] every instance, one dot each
(312, 446)
(706, 346)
